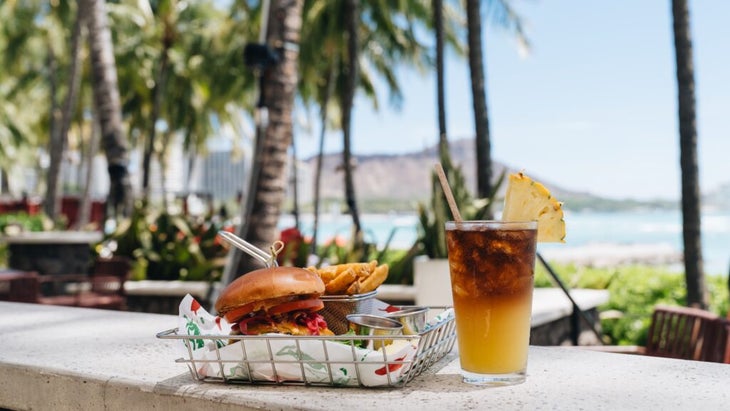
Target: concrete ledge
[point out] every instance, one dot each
(64, 358)
(54, 237)
(198, 289)
(550, 304)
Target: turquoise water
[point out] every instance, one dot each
(637, 227)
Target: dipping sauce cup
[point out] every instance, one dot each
(412, 317)
(492, 269)
(374, 326)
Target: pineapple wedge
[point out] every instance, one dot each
(528, 200)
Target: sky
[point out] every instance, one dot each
(591, 108)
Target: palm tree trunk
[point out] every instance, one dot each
(329, 90)
(108, 106)
(55, 146)
(479, 99)
(691, 223)
(59, 135)
(438, 23)
(192, 163)
(278, 88)
(294, 183)
(351, 67)
(4, 181)
(91, 150)
(157, 92)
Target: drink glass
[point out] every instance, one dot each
(492, 270)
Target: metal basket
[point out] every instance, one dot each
(430, 346)
(337, 307)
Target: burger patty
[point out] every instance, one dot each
(292, 323)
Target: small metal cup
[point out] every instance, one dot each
(413, 318)
(373, 326)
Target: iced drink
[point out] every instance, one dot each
(492, 265)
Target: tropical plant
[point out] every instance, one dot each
(167, 246)
(23, 48)
(432, 218)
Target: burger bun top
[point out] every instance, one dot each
(269, 284)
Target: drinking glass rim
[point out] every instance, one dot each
(493, 224)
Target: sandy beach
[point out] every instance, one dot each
(610, 254)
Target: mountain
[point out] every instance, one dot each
(398, 182)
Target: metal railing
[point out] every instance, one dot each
(577, 314)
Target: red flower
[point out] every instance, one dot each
(292, 239)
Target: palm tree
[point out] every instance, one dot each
(108, 106)
(385, 37)
(191, 58)
(691, 225)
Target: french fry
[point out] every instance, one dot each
(351, 278)
(341, 282)
(327, 274)
(366, 269)
(374, 280)
(354, 288)
(357, 268)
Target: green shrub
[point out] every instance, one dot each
(634, 291)
(22, 221)
(17, 222)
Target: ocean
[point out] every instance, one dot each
(662, 227)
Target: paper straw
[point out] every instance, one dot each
(447, 191)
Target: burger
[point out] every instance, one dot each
(282, 300)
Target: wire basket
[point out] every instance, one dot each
(334, 360)
(337, 307)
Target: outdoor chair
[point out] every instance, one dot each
(683, 333)
(102, 288)
(29, 290)
(107, 280)
(687, 333)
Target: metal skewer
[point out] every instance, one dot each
(268, 259)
